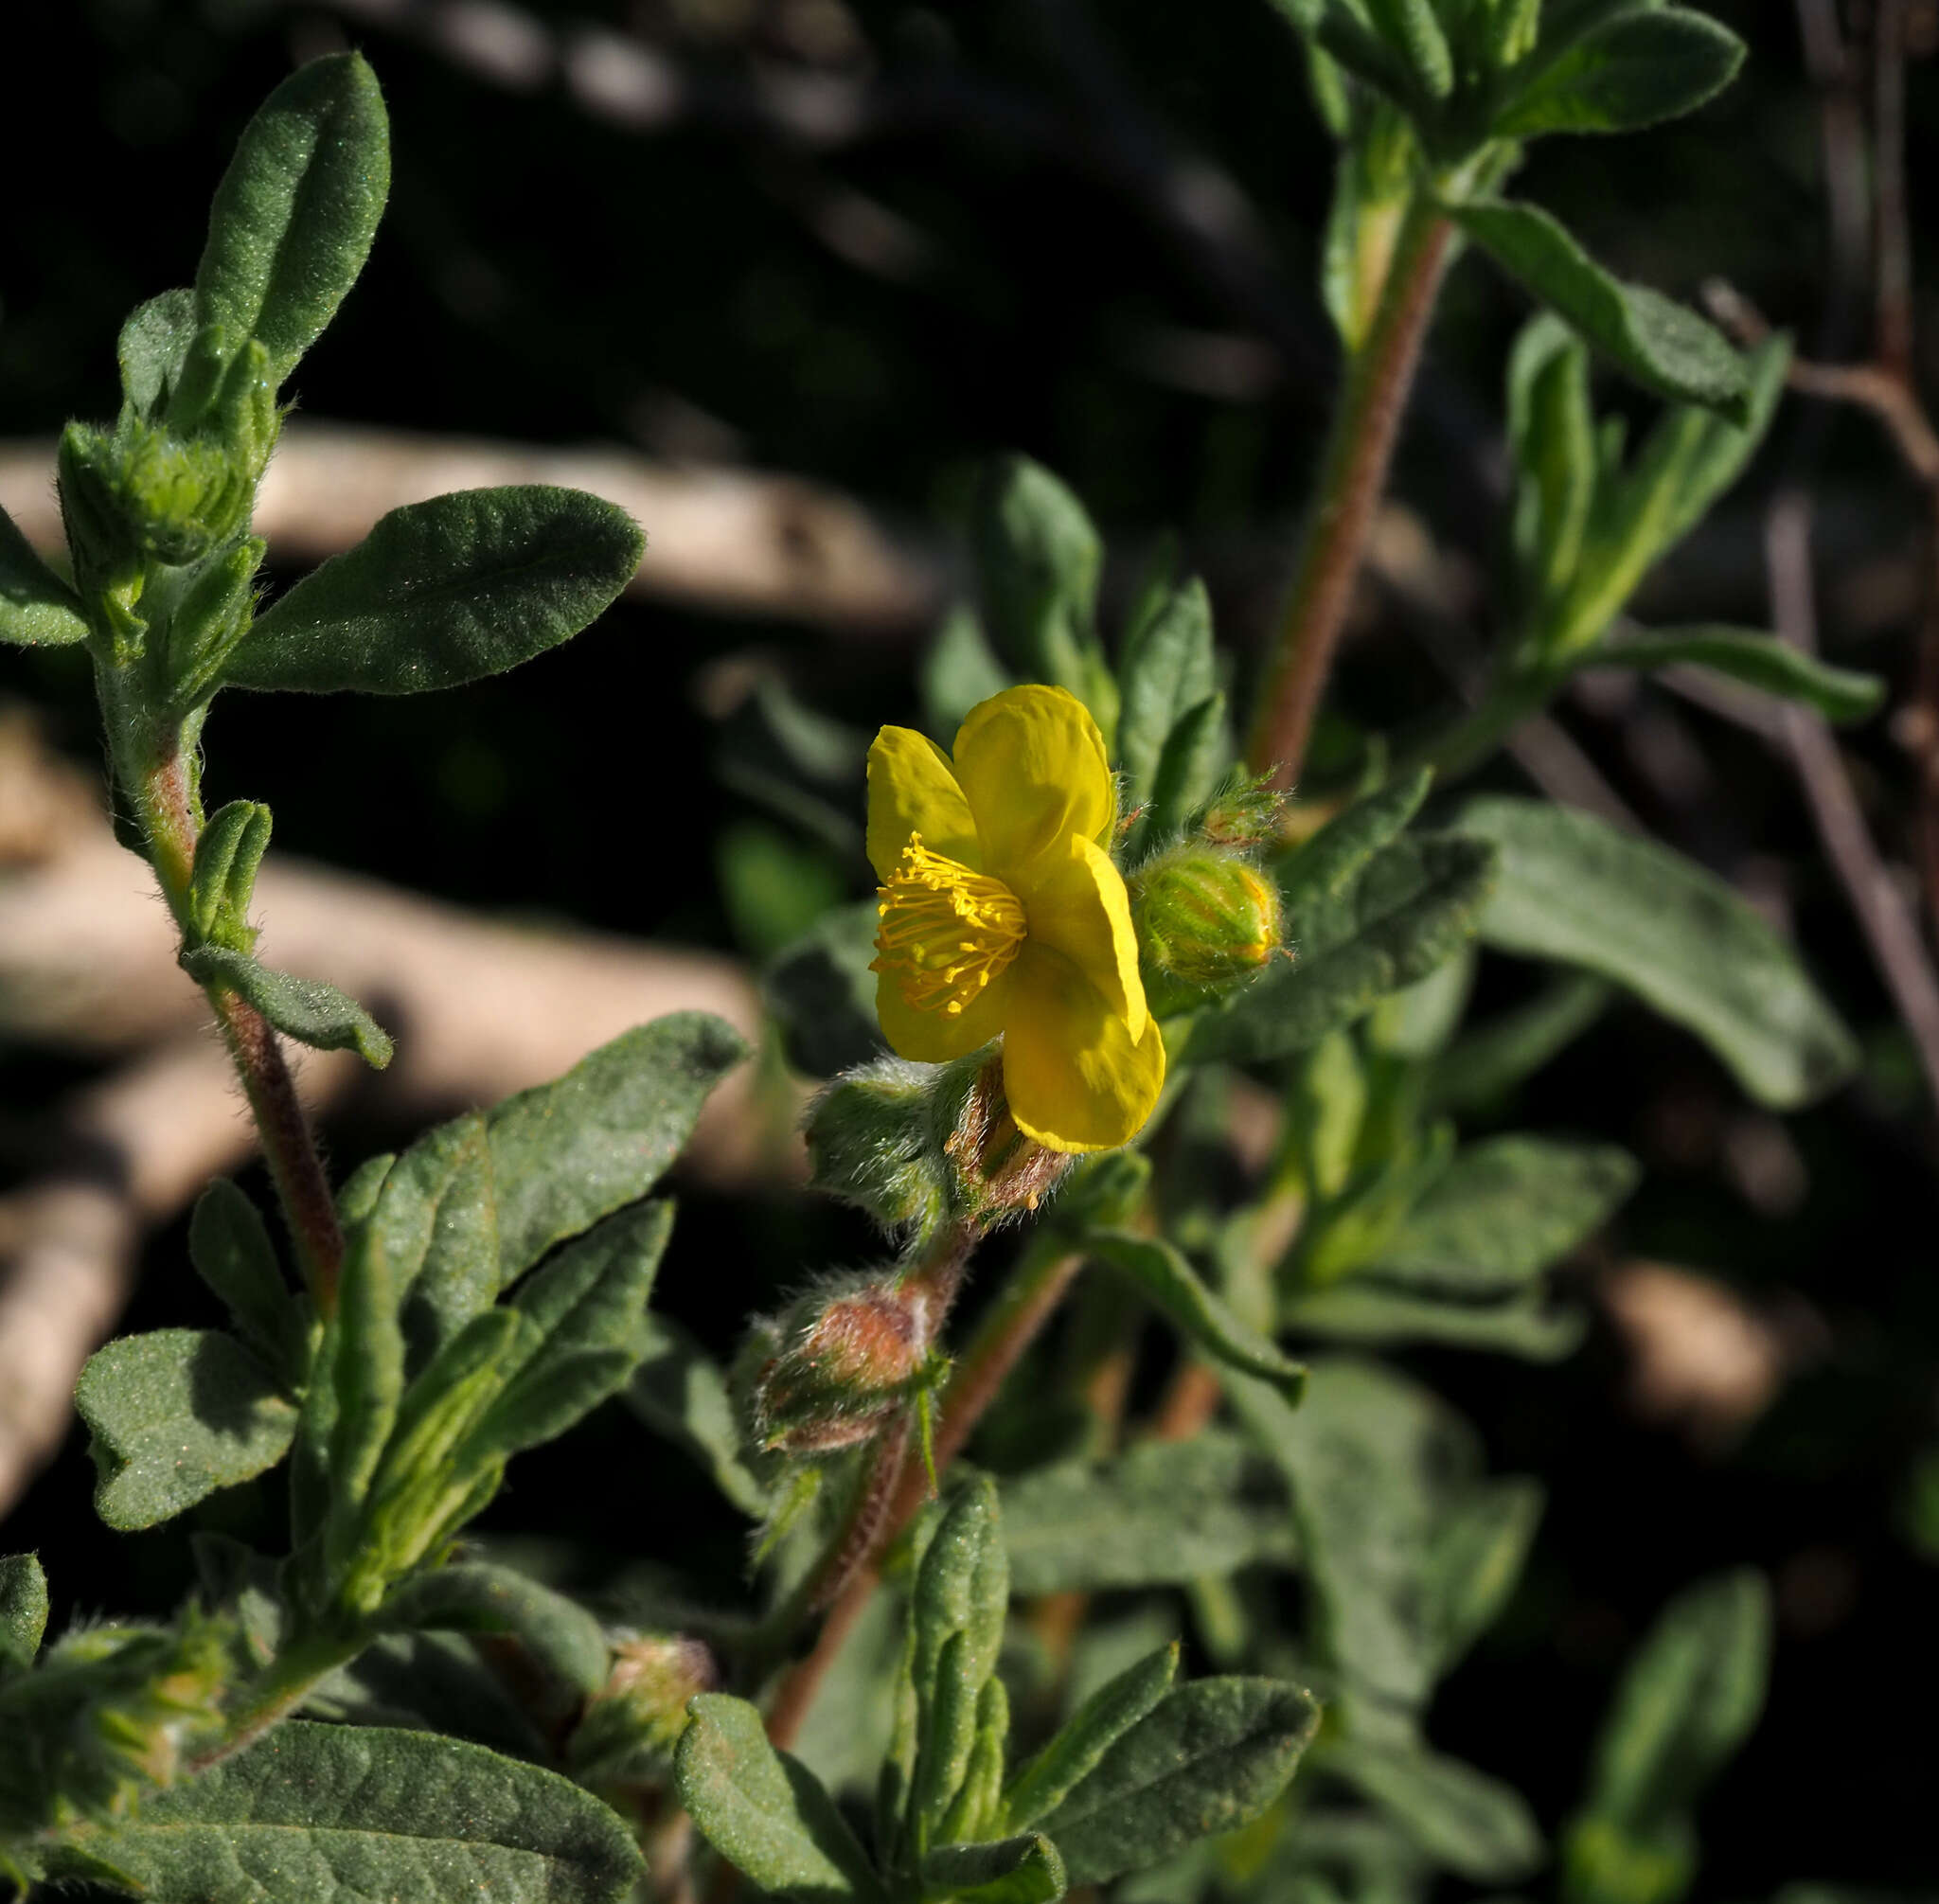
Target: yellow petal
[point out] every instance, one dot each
(1076, 1077)
(910, 790)
(935, 1036)
(1083, 911)
(1033, 765)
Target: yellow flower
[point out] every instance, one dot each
(1003, 914)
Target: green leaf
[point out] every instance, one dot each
(1174, 1288)
(308, 1009)
(1023, 1870)
(177, 1415)
(153, 348)
(564, 1154)
(1189, 769)
(959, 671)
(428, 1682)
(229, 1245)
(22, 1608)
(1362, 1312)
(1071, 1756)
(223, 879)
(1037, 559)
(1165, 672)
(1552, 429)
(1322, 870)
(585, 1310)
(296, 210)
(444, 592)
(1478, 1557)
(679, 1392)
(1411, 29)
(823, 993)
(1663, 346)
(37, 608)
(474, 1597)
(1490, 1062)
(1412, 907)
(1633, 70)
(1690, 1698)
(361, 1365)
(1503, 1211)
(1162, 1514)
(1472, 1824)
(1209, 1758)
(764, 1811)
(437, 1213)
(325, 1814)
(1759, 661)
(1572, 889)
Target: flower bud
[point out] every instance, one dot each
(1246, 814)
(1205, 918)
(838, 1363)
(635, 1720)
(1003, 1173)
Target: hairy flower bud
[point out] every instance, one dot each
(838, 1363)
(1205, 918)
(635, 1720)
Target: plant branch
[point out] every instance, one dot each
(1352, 477)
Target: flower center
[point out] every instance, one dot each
(946, 931)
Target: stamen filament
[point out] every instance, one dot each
(946, 931)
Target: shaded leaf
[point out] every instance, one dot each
(22, 1608)
(428, 1682)
(1175, 1289)
(474, 1597)
(308, 1009)
(230, 1247)
(1166, 670)
(1490, 1062)
(1636, 69)
(444, 592)
(564, 1154)
(1502, 1212)
(1037, 559)
(437, 1215)
(1464, 1820)
(681, 1392)
(1070, 1757)
(325, 1814)
(1573, 889)
(177, 1415)
(959, 671)
(763, 1810)
(154, 342)
(823, 993)
(1362, 1312)
(1161, 1514)
(1209, 1758)
(1025, 1870)
(1759, 661)
(1411, 27)
(37, 608)
(1662, 345)
(1478, 1557)
(1325, 868)
(1191, 767)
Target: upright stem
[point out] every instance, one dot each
(1036, 1287)
(1352, 477)
(170, 822)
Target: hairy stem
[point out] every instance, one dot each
(1036, 1285)
(1352, 477)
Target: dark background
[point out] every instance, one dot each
(991, 266)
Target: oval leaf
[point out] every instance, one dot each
(1635, 70)
(445, 592)
(1760, 661)
(311, 1010)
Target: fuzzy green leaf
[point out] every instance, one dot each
(1209, 1758)
(23, 1610)
(1038, 558)
(764, 1811)
(177, 1415)
(1023, 1870)
(1575, 890)
(1688, 1699)
(1411, 29)
(1502, 1212)
(229, 1245)
(153, 347)
(1165, 672)
(1362, 1312)
(227, 857)
(583, 1313)
(1162, 1514)
(477, 1598)
(1175, 1289)
(1071, 1756)
(567, 1153)
(1663, 346)
(1636, 69)
(1322, 870)
(361, 1365)
(37, 608)
(444, 592)
(678, 1391)
(1189, 769)
(1465, 1820)
(1759, 661)
(296, 210)
(1407, 911)
(1478, 1557)
(308, 1009)
(438, 1216)
(325, 1814)
(823, 993)
(428, 1682)
(1552, 429)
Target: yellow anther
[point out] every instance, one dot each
(946, 931)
